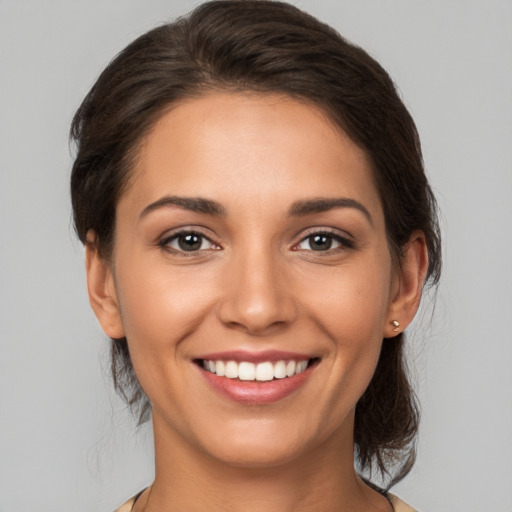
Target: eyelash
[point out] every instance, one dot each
(165, 242)
(344, 242)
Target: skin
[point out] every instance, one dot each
(255, 283)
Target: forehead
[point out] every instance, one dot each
(241, 146)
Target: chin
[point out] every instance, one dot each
(257, 456)
(260, 444)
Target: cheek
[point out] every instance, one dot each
(159, 309)
(352, 309)
(159, 306)
(352, 303)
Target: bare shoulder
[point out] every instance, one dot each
(126, 507)
(399, 505)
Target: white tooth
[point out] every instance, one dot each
(264, 371)
(246, 371)
(231, 370)
(205, 364)
(280, 370)
(290, 368)
(301, 366)
(219, 368)
(211, 366)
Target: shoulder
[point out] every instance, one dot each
(126, 507)
(398, 504)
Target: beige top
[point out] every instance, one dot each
(397, 503)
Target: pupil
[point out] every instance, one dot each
(320, 242)
(189, 242)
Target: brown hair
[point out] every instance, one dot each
(263, 46)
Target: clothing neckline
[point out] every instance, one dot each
(392, 499)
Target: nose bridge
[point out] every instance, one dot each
(256, 298)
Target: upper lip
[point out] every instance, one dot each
(255, 357)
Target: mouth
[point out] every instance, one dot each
(256, 379)
(256, 372)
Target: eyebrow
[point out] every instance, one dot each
(301, 208)
(298, 209)
(194, 204)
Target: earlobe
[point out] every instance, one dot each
(411, 277)
(102, 292)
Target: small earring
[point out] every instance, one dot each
(396, 325)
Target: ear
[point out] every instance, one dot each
(410, 279)
(101, 288)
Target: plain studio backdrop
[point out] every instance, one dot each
(66, 442)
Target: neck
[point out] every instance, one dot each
(320, 480)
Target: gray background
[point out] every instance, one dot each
(65, 441)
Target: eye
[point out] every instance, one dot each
(322, 242)
(187, 241)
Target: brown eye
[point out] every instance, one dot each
(323, 242)
(320, 242)
(191, 242)
(187, 241)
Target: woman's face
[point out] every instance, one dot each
(251, 242)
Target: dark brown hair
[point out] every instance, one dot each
(266, 47)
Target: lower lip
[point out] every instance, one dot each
(256, 392)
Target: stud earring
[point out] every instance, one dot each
(396, 325)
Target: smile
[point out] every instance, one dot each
(261, 372)
(256, 378)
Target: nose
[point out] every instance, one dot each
(257, 297)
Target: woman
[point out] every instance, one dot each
(258, 231)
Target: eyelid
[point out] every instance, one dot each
(345, 240)
(164, 240)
